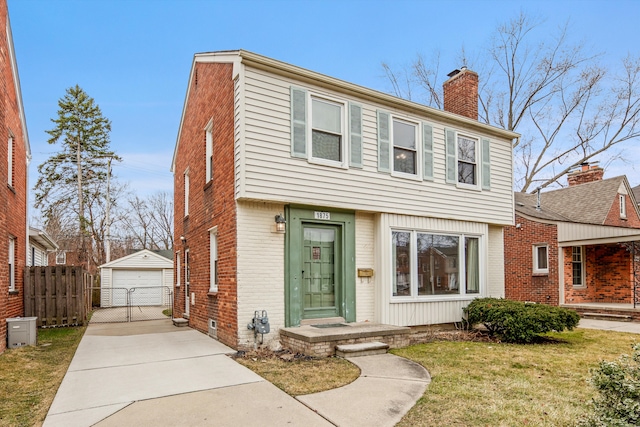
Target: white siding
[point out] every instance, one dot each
(270, 173)
(365, 258)
(106, 282)
(444, 310)
(570, 234)
(495, 273)
(260, 268)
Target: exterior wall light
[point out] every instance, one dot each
(281, 224)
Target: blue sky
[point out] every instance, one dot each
(133, 56)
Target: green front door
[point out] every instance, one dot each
(321, 257)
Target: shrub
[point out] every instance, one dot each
(618, 384)
(519, 322)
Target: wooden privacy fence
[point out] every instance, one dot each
(57, 295)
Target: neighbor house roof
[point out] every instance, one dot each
(587, 203)
(636, 192)
(42, 238)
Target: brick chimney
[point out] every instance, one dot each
(586, 173)
(461, 93)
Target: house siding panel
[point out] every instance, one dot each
(272, 174)
(365, 258)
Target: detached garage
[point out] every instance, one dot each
(145, 278)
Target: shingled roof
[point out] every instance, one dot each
(588, 203)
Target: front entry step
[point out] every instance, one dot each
(608, 316)
(180, 322)
(361, 349)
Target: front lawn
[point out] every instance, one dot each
(30, 376)
(490, 384)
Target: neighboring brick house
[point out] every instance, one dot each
(393, 211)
(574, 245)
(14, 159)
(636, 193)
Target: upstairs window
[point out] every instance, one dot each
(541, 259)
(623, 206)
(326, 130)
(405, 152)
(467, 160)
(10, 161)
(186, 193)
(209, 151)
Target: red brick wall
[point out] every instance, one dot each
(461, 94)
(613, 217)
(608, 275)
(520, 281)
(13, 208)
(210, 204)
(586, 174)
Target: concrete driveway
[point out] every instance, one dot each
(152, 373)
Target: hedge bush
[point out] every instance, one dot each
(618, 401)
(519, 322)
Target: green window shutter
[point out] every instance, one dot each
(384, 153)
(355, 135)
(427, 148)
(298, 122)
(486, 164)
(450, 154)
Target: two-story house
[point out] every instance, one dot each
(577, 246)
(14, 159)
(311, 198)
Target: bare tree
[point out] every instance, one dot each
(148, 222)
(567, 107)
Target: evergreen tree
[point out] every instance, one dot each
(79, 170)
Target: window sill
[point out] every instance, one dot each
(10, 187)
(13, 292)
(330, 163)
(540, 274)
(212, 293)
(408, 176)
(439, 298)
(468, 187)
(208, 184)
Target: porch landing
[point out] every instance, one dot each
(321, 339)
(620, 312)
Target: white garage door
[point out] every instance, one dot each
(147, 284)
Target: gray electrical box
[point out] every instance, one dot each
(21, 331)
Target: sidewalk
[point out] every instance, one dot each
(610, 325)
(152, 373)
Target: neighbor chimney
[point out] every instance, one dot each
(585, 173)
(461, 93)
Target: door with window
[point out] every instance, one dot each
(321, 257)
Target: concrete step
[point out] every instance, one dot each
(361, 349)
(608, 316)
(180, 322)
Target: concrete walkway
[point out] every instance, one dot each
(152, 373)
(610, 325)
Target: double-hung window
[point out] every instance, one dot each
(10, 161)
(468, 162)
(577, 266)
(209, 151)
(12, 264)
(213, 261)
(431, 264)
(325, 130)
(178, 272)
(186, 193)
(405, 150)
(541, 259)
(327, 140)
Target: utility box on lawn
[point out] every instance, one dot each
(21, 331)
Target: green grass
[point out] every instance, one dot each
(30, 376)
(490, 384)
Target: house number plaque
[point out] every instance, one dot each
(321, 215)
